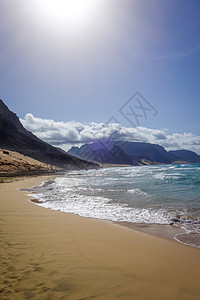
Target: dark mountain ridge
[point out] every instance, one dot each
(132, 153)
(186, 155)
(14, 137)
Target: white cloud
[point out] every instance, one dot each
(66, 134)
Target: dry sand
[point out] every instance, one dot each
(14, 163)
(52, 255)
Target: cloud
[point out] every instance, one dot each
(66, 134)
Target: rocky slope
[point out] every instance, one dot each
(14, 137)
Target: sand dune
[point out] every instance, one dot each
(13, 163)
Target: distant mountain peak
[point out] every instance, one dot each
(131, 153)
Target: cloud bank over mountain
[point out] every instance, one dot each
(65, 134)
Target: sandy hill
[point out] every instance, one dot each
(13, 163)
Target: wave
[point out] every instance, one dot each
(153, 194)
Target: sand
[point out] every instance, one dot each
(14, 163)
(53, 255)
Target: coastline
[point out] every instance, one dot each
(54, 255)
(161, 231)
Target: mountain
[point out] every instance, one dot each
(131, 153)
(14, 137)
(185, 155)
(152, 152)
(116, 156)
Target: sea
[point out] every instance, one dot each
(158, 194)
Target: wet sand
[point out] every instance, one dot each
(163, 231)
(53, 255)
(171, 232)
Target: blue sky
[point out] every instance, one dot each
(85, 70)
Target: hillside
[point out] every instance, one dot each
(14, 163)
(14, 137)
(186, 155)
(132, 153)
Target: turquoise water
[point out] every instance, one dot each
(162, 194)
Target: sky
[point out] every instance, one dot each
(71, 68)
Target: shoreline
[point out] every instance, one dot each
(162, 231)
(51, 254)
(171, 232)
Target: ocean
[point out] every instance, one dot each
(158, 194)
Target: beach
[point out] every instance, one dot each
(48, 254)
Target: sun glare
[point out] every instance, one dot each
(74, 13)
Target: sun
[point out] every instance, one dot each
(73, 13)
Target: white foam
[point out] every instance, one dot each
(190, 240)
(102, 208)
(117, 194)
(159, 176)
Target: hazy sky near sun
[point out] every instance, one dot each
(82, 62)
